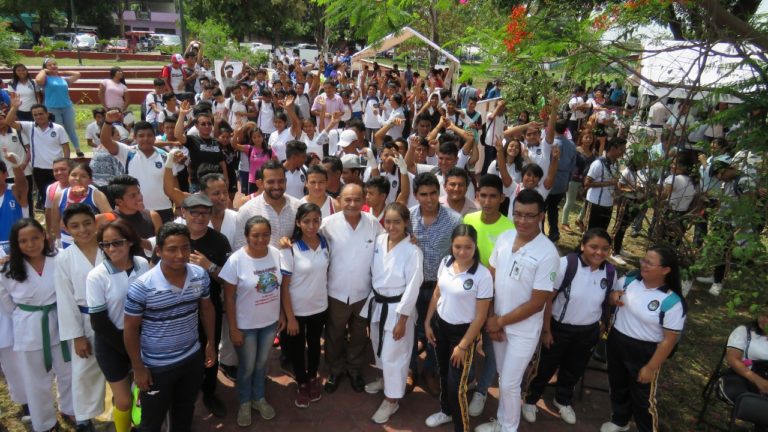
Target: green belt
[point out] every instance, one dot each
(47, 334)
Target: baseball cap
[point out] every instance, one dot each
(350, 161)
(196, 200)
(177, 58)
(347, 137)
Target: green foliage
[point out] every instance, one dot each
(218, 44)
(8, 44)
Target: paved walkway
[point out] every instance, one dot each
(346, 410)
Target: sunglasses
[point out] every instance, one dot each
(114, 243)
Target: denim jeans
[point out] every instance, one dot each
(422, 305)
(252, 360)
(66, 118)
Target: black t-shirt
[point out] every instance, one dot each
(202, 150)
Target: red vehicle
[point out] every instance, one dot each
(139, 41)
(117, 45)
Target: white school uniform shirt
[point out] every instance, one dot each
(265, 119)
(294, 182)
(277, 142)
(349, 275)
(394, 183)
(308, 269)
(149, 172)
(575, 114)
(517, 176)
(37, 290)
(584, 305)
(234, 106)
(45, 144)
(326, 209)
(639, 317)
(257, 283)
(459, 292)
(395, 272)
(6, 323)
(600, 171)
(683, 192)
(316, 143)
(758, 343)
(540, 155)
(371, 119)
(27, 93)
(228, 226)
(11, 141)
(533, 267)
(396, 131)
(72, 268)
(106, 288)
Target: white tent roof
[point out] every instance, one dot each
(673, 67)
(399, 37)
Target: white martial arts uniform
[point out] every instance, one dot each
(534, 266)
(397, 272)
(9, 360)
(38, 290)
(88, 383)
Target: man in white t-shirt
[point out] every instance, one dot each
(601, 179)
(658, 115)
(524, 264)
(578, 109)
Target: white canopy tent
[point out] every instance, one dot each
(401, 36)
(673, 67)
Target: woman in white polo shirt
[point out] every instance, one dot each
(461, 299)
(305, 299)
(106, 288)
(396, 275)
(650, 315)
(572, 322)
(252, 299)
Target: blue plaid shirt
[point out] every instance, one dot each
(435, 239)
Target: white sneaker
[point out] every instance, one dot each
(618, 260)
(613, 427)
(566, 412)
(437, 419)
(706, 279)
(529, 412)
(492, 426)
(385, 411)
(477, 404)
(715, 289)
(686, 286)
(375, 386)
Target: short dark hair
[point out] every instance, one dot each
(355, 123)
(206, 168)
(271, 165)
(449, 148)
(99, 110)
(76, 209)
(529, 196)
(210, 177)
(425, 179)
(534, 169)
(458, 172)
(398, 99)
(295, 147)
(36, 106)
(492, 181)
(171, 229)
(119, 185)
(379, 183)
(615, 142)
(157, 82)
(335, 164)
(317, 169)
(561, 126)
(143, 125)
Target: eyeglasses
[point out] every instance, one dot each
(115, 243)
(647, 263)
(205, 124)
(198, 213)
(525, 217)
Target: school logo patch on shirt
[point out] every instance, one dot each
(468, 284)
(604, 283)
(158, 164)
(53, 134)
(303, 179)
(14, 139)
(653, 305)
(394, 182)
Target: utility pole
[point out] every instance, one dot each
(74, 27)
(182, 25)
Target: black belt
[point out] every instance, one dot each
(385, 301)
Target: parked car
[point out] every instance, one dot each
(166, 39)
(85, 42)
(117, 45)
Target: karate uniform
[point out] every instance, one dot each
(88, 384)
(397, 275)
(38, 363)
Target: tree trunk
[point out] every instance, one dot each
(733, 25)
(675, 25)
(433, 32)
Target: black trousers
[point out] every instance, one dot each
(626, 212)
(629, 398)
(598, 216)
(307, 341)
(43, 178)
(453, 380)
(551, 206)
(569, 354)
(208, 386)
(173, 388)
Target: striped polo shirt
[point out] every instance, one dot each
(169, 315)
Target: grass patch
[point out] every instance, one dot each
(38, 61)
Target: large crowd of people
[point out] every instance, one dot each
(366, 214)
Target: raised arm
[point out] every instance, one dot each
(170, 182)
(553, 106)
(549, 181)
(295, 121)
(184, 109)
(106, 132)
(501, 164)
(405, 181)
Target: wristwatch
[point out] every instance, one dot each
(213, 268)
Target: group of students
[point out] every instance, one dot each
(326, 235)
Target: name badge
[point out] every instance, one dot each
(517, 270)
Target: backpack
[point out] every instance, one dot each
(565, 110)
(571, 268)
